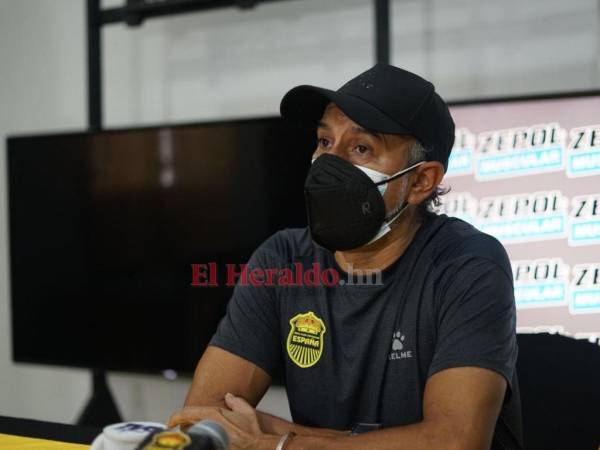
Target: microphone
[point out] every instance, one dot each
(211, 430)
(204, 435)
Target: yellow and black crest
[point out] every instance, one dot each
(305, 341)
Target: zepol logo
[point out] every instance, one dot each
(585, 289)
(461, 158)
(584, 220)
(584, 151)
(520, 151)
(524, 217)
(540, 283)
(305, 340)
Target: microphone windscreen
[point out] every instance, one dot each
(213, 430)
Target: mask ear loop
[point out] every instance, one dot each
(386, 224)
(399, 174)
(392, 217)
(389, 219)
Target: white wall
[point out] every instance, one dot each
(486, 48)
(41, 88)
(232, 63)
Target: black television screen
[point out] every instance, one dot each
(104, 228)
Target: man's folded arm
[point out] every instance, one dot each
(460, 408)
(219, 372)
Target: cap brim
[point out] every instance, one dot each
(305, 104)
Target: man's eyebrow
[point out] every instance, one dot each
(360, 129)
(356, 128)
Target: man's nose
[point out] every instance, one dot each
(333, 150)
(337, 151)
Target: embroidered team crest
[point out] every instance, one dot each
(305, 341)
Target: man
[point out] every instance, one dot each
(426, 352)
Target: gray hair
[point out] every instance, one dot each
(418, 152)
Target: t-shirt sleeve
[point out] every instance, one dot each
(476, 319)
(250, 328)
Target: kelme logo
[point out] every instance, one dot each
(305, 341)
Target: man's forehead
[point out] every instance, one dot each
(333, 113)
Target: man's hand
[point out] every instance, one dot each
(239, 420)
(219, 372)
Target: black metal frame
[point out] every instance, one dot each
(94, 65)
(526, 97)
(382, 31)
(136, 11)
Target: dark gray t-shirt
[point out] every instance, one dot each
(363, 352)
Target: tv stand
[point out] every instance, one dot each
(101, 408)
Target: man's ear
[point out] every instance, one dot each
(425, 179)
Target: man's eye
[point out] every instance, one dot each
(323, 143)
(362, 149)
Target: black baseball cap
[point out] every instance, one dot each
(384, 99)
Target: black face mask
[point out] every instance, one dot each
(344, 206)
